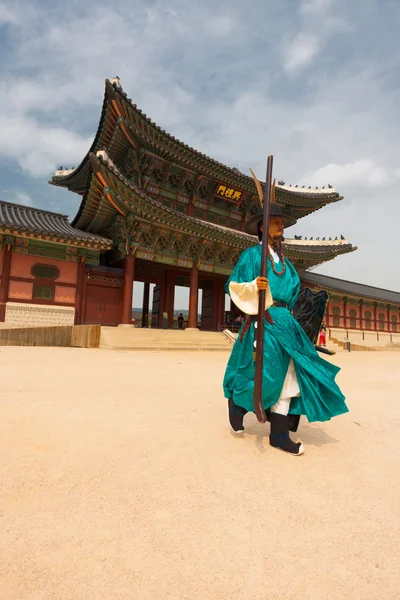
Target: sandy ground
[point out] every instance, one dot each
(120, 479)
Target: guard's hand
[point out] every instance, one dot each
(262, 283)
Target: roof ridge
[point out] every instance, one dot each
(33, 208)
(234, 171)
(102, 158)
(373, 287)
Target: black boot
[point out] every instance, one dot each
(236, 414)
(293, 422)
(279, 436)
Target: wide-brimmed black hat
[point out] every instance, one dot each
(251, 226)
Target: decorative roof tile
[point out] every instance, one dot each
(350, 287)
(18, 219)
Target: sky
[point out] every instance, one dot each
(316, 83)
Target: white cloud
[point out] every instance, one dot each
(214, 79)
(8, 15)
(23, 198)
(300, 52)
(362, 172)
(36, 146)
(315, 6)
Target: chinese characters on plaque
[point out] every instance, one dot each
(228, 193)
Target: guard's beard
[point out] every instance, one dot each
(275, 239)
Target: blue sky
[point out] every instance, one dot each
(314, 82)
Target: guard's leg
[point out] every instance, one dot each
(279, 436)
(236, 415)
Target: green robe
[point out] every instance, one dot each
(320, 397)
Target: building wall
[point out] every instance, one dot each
(35, 315)
(350, 314)
(21, 266)
(22, 280)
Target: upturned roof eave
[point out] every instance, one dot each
(317, 198)
(214, 232)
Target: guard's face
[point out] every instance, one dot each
(275, 229)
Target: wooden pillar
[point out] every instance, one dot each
(361, 315)
(193, 297)
(5, 281)
(215, 305)
(388, 318)
(375, 323)
(162, 302)
(80, 285)
(170, 297)
(221, 303)
(145, 306)
(345, 313)
(127, 294)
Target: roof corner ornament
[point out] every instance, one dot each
(117, 82)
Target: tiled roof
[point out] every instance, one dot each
(16, 219)
(349, 287)
(172, 149)
(313, 250)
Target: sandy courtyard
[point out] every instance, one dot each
(120, 480)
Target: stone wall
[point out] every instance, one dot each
(34, 315)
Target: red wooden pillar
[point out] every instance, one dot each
(80, 284)
(193, 296)
(221, 303)
(361, 315)
(328, 314)
(215, 304)
(345, 313)
(145, 306)
(375, 323)
(127, 294)
(170, 297)
(5, 281)
(388, 318)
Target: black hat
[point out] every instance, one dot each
(251, 226)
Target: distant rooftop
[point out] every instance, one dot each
(349, 287)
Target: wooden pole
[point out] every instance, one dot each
(258, 405)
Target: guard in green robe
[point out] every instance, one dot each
(296, 380)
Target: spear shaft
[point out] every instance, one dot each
(258, 376)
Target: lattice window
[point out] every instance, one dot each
(209, 254)
(367, 317)
(180, 207)
(43, 292)
(146, 239)
(394, 324)
(353, 318)
(336, 316)
(45, 272)
(381, 321)
(163, 243)
(199, 214)
(180, 246)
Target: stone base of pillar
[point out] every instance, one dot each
(126, 325)
(192, 329)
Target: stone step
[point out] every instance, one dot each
(167, 347)
(162, 339)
